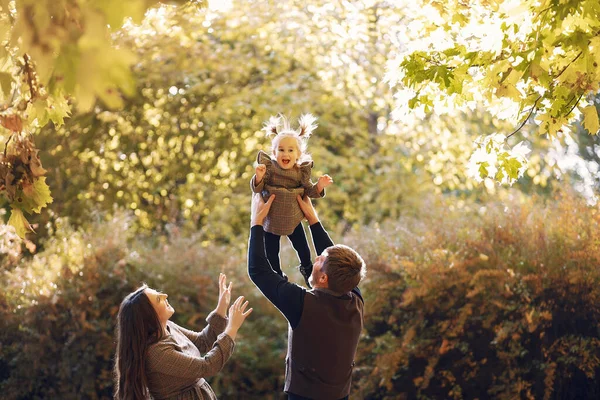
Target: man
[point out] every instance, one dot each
(325, 322)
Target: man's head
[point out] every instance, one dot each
(339, 269)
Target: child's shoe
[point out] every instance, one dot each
(306, 271)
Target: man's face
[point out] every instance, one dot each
(287, 152)
(316, 279)
(161, 304)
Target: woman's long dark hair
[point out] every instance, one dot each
(137, 328)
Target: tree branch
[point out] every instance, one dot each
(574, 105)
(6, 144)
(533, 108)
(568, 65)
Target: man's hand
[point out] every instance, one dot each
(308, 210)
(323, 182)
(260, 173)
(260, 209)
(224, 296)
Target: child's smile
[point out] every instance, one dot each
(287, 153)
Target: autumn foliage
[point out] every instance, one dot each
(501, 302)
(496, 301)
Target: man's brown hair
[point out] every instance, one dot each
(344, 268)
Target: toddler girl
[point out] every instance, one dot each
(286, 174)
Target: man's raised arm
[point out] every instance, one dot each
(320, 236)
(286, 296)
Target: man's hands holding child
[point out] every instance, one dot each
(260, 209)
(323, 182)
(260, 173)
(308, 209)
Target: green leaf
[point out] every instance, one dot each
(483, 169)
(590, 119)
(19, 222)
(511, 166)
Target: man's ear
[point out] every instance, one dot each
(324, 279)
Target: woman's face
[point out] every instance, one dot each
(161, 304)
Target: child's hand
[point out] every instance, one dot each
(323, 182)
(260, 173)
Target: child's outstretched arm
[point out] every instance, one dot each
(323, 182)
(257, 183)
(317, 190)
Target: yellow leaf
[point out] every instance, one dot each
(116, 11)
(37, 195)
(590, 119)
(509, 91)
(595, 48)
(549, 124)
(6, 80)
(19, 222)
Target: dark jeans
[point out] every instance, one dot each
(299, 242)
(292, 396)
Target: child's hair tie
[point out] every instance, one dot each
(281, 126)
(307, 125)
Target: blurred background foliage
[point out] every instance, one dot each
(473, 291)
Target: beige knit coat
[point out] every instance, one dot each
(177, 365)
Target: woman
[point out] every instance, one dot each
(156, 357)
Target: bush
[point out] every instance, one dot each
(59, 310)
(463, 301)
(498, 301)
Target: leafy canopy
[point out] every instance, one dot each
(517, 59)
(55, 53)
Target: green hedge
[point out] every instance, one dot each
(463, 301)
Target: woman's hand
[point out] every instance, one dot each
(237, 316)
(224, 296)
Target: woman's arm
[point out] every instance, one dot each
(217, 320)
(205, 339)
(163, 357)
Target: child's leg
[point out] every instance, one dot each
(272, 249)
(298, 239)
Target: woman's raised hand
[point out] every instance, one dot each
(224, 296)
(237, 316)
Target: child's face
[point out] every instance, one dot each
(287, 152)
